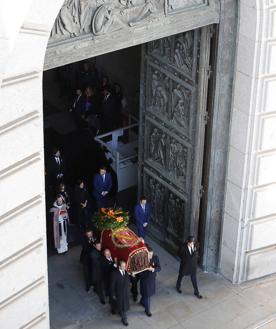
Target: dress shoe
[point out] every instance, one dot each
(134, 298)
(124, 322)
(113, 312)
(148, 313)
(102, 301)
(179, 290)
(198, 296)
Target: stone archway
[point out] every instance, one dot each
(24, 35)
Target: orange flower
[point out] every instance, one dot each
(111, 212)
(120, 219)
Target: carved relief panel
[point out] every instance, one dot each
(98, 17)
(168, 210)
(170, 132)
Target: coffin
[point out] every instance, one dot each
(124, 244)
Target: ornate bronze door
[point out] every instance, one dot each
(174, 82)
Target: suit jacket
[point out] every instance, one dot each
(87, 247)
(107, 269)
(54, 169)
(119, 288)
(148, 278)
(100, 185)
(188, 262)
(96, 260)
(78, 105)
(141, 216)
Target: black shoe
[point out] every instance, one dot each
(134, 298)
(113, 312)
(198, 295)
(124, 322)
(102, 301)
(179, 290)
(148, 313)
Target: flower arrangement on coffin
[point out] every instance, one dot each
(111, 219)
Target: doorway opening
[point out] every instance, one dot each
(153, 139)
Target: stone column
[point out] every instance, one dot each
(248, 248)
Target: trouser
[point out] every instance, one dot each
(134, 286)
(99, 289)
(145, 301)
(123, 316)
(87, 274)
(193, 279)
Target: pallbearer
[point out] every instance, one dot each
(147, 281)
(119, 290)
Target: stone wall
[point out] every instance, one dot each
(248, 249)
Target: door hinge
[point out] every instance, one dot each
(201, 191)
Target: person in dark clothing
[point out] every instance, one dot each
(119, 290)
(102, 185)
(61, 190)
(134, 286)
(108, 111)
(97, 274)
(56, 168)
(147, 281)
(81, 201)
(118, 95)
(78, 107)
(88, 76)
(85, 260)
(108, 266)
(188, 265)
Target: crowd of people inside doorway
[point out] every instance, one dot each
(96, 103)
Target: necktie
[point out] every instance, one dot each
(103, 178)
(58, 161)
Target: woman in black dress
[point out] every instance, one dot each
(82, 204)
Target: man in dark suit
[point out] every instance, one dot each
(78, 107)
(119, 290)
(97, 274)
(87, 247)
(56, 168)
(147, 281)
(108, 266)
(142, 216)
(102, 187)
(108, 110)
(188, 265)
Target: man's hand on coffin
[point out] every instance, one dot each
(151, 269)
(145, 224)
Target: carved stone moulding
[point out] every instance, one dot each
(180, 5)
(99, 17)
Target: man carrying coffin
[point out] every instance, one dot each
(119, 290)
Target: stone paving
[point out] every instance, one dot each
(225, 306)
